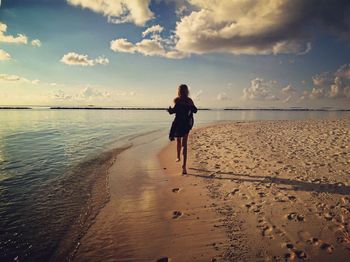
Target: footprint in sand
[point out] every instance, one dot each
(292, 198)
(262, 194)
(345, 200)
(233, 192)
(289, 256)
(314, 241)
(298, 253)
(266, 231)
(177, 214)
(295, 217)
(323, 245)
(328, 215)
(175, 190)
(290, 246)
(301, 254)
(327, 247)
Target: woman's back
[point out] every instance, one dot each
(184, 108)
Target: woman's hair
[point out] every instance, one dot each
(183, 92)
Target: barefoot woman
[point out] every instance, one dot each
(183, 122)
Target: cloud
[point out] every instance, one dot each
(289, 93)
(317, 93)
(10, 78)
(287, 99)
(36, 42)
(222, 96)
(259, 90)
(72, 58)
(17, 79)
(322, 79)
(4, 56)
(153, 46)
(288, 89)
(258, 27)
(90, 93)
(153, 30)
(248, 27)
(340, 88)
(327, 85)
(119, 11)
(343, 71)
(341, 84)
(85, 94)
(122, 45)
(243, 27)
(60, 95)
(19, 39)
(197, 95)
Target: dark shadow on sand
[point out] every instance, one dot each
(296, 185)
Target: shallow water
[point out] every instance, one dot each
(49, 160)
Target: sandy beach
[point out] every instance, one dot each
(255, 191)
(282, 187)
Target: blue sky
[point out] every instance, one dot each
(135, 53)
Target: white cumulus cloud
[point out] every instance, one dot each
(10, 78)
(288, 89)
(90, 93)
(119, 11)
(73, 58)
(60, 95)
(222, 96)
(243, 27)
(36, 42)
(153, 30)
(259, 90)
(4, 56)
(327, 85)
(249, 27)
(153, 46)
(18, 39)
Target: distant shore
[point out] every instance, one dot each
(14, 107)
(164, 108)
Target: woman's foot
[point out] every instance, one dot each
(184, 171)
(178, 159)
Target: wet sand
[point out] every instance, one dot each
(153, 212)
(256, 191)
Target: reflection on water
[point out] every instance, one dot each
(46, 163)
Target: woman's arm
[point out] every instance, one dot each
(172, 110)
(193, 107)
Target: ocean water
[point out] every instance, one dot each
(50, 160)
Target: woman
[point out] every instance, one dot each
(183, 122)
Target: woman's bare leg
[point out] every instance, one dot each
(184, 152)
(178, 148)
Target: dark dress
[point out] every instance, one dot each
(183, 121)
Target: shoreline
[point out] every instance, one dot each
(141, 222)
(98, 194)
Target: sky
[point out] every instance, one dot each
(231, 53)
